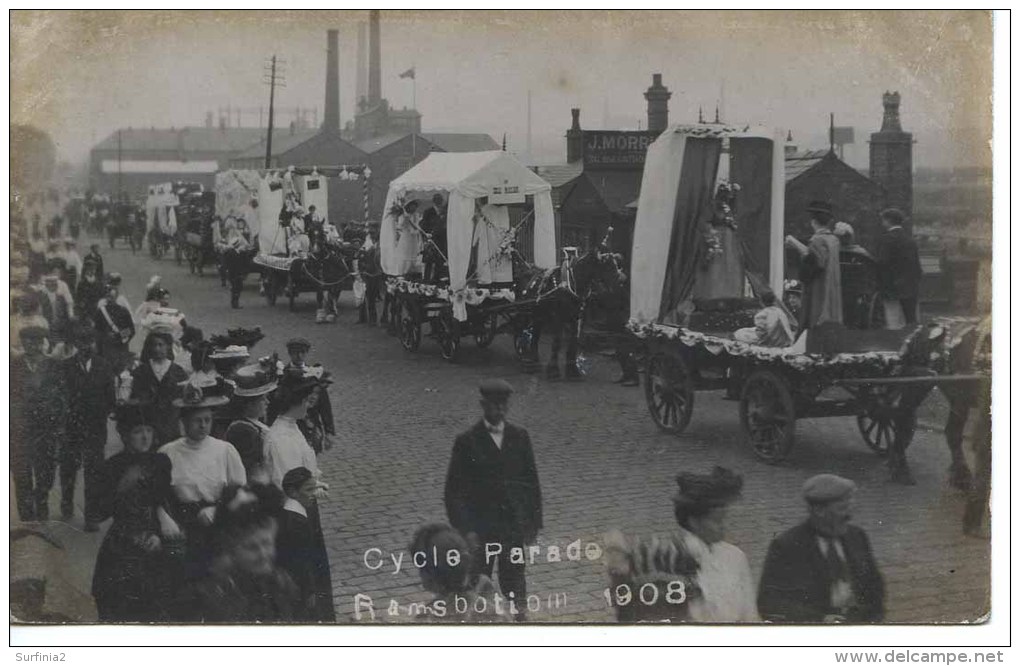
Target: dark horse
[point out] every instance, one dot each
(330, 267)
(560, 297)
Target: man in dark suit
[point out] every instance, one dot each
(89, 379)
(37, 424)
(899, 271)
(822, 570)
(492, 492)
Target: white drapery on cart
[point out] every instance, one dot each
(662, 201)
(467, 178)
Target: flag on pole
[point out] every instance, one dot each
(409, 74)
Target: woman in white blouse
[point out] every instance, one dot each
(286, 447)
(699, 576)
(201, 466)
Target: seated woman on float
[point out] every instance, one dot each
(771, 328)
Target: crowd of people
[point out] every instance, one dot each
(214, 494)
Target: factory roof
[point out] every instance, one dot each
(184, 139)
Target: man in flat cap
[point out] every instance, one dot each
(822, 570)
(899, 271)
(492, 491)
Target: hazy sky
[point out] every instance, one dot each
(82, 75)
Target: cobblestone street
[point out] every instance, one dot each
(601, 460)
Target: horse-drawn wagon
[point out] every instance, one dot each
(299, 252)
(127, 222)
(449, 248)
(688, 345)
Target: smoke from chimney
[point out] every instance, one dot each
(374, 59)
(331, 116)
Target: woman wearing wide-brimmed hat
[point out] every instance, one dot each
(247, 433)
(286, 446)
(131, 581)
(201, 465)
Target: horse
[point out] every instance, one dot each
(964, 358)
(329, 267)
(561, 296)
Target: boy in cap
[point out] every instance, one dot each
(90, 398)
(822, 570)
(492, 491)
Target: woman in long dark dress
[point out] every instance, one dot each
(157, 379)
(301, 549)
(133, 573)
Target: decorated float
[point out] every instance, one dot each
(708, 247)
(275, 204)
(490, 225)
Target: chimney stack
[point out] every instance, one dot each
(374, 59)
(331, 116)
(361, 78)
(658, 104)
(575, 137)
(891, 156)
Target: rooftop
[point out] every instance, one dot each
(283, 142)
(558, 175)
(799, 162)
(186, 139)
(453, 142)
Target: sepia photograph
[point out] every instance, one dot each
(506, 317)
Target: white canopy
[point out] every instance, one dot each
(659, 201)
(465, 178)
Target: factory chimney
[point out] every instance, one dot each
(575, 137)
(361, 78)
(331, 116)
(374, 59)
(658, 104)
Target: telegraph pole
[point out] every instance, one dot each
(120, 167)
(274, 79)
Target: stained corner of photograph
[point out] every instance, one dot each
(374, 317)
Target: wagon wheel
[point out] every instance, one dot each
(410, 328)
(485, 332)
(767, 416)
(448, 332)
(878, 424)
(269, 287)
(669, 392)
